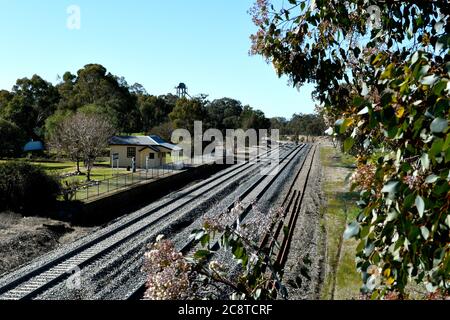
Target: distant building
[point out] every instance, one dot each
(140, 147)
(33, 146)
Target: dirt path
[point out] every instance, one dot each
(341, 279)
(304, 267)
(23, 239)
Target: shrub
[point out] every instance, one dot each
(25, 187)
(12, 139)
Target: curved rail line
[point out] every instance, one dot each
(250, 195)
(27, 284)
(294, 199)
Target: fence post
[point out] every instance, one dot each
(98, 188)
(87, 192)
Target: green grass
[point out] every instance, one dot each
(101, 170)
(110, 179)
(342, 280)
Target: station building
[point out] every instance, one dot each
(125, 148)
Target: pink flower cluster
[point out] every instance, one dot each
(168, 272)
(414, 182)
(364, 176)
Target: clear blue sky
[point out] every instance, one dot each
(157, 43)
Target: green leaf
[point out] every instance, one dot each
(429, 80)
(352, 230)
(387, 73)
(199, 235)
(348, 144)
(425, 232)
(205, 239)
(377, 58)
(390, 187)
(439, 87)
(422, 71)
(338, 124)
(201, 254)
(439, 125)
(369, 249)
(415, 57)
(238, 251)
(363, 111)
(358, 101)
(420, 205)
(342, 124)
(436, 148)
(392, 215)
(425, 161)
(329, 131)
(446, 143)
(431, 179)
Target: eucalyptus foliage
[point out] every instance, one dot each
(382, 71)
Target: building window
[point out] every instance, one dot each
(151, 156)
(131, 152)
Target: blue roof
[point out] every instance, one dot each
(152, 142)
(131, 140)
(34, 146)
(157, 139)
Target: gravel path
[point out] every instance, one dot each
(304, 269)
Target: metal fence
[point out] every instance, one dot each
(95, 189)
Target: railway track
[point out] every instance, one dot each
(137, 291)
(251, 195)
(274, 243)
(51, 270)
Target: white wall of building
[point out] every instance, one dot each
(158, 159)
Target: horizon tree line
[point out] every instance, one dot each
(35, 109)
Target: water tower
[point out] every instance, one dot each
(182, 90)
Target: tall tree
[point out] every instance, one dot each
(307, 124)
(12, 139)
(5, 98)
(186, 112)
(153, 110)
(65, 89)
(95, 86)
(382, 69)
(224, 113)
(279, 123)
(170, 99)
(34, 100)
(253, 119)
(138, 89)
(83, 137)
